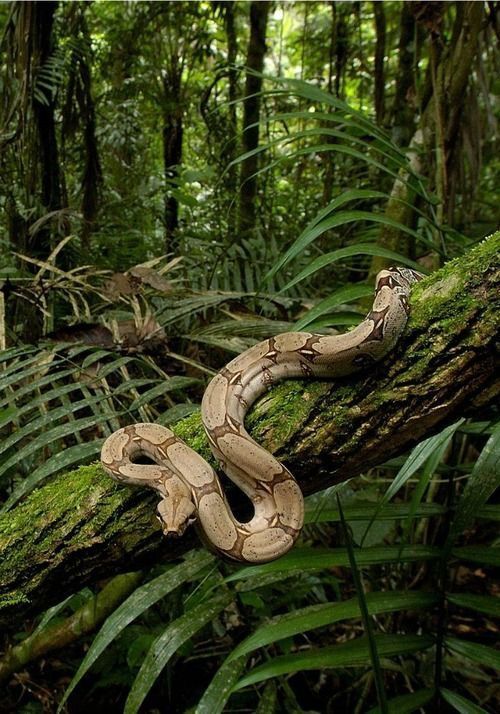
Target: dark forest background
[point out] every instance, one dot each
(179, 180)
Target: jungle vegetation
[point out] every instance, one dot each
(178, 181)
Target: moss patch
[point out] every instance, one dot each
(279, 414)
(448, 293)
(190, 429)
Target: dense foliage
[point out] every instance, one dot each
(178, 181)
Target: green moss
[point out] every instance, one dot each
(279, 414)
(190, 429)
(87, 488)
(272, 420)
(449, 300)
(9, 600)
(47, 500)
(448, 294)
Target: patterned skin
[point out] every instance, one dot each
(190, 488)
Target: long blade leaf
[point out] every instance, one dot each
(135, 605)
(165, 646)
(355, 653)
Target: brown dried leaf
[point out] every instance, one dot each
(87, 334)
(122, 284)
(151, 277)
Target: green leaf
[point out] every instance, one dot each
(364, 511)
(309, 618)
(365, 615)
(350, 133)
(268, 700)
(418, 457)
(429, 469)
(169, 385)
(413, 463)
(481, 654)
(461, 704)
(166, 645)
(20, 374)
(482, 483)
(15, 413)
(483, 554)
(353, 194)
(16, 370)
(341, 218)
(176, 413)
(302, 241)
(50, 613)
(35, 386)
(141, 599)
(349, 252)
(489, 512)
(14, 352)
(304, 559)
(339, 297)
(47, 420)
(220, 688)
(406, 703)
(349, 654)
(480, 603)
(57, 432)
(96, 356)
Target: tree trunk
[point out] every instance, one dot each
(404, 105)
(251, 114)
(92, 172)
(453, 74)
(231, 143)
(327, 156)
(172, 135)
(380, 28)
(50, 175)
(82, 526)
(79, 112)
(36, 147)
(342, 49)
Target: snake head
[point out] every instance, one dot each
(175, 514)
(411, 276)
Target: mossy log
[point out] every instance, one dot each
(82, 526)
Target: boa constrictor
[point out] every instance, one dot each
(190, 488)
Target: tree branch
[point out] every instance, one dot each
(82, 526)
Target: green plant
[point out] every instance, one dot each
(275, 606)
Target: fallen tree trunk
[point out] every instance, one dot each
(82, 526)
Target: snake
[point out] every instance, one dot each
(190, 488)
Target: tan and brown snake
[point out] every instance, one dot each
(190, 488)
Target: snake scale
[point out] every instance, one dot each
(189, 487)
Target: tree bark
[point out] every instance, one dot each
(232, 123)
(404, 105)
(380, 28)
(453, 74)
(251, 114)
(327, 156)
(172, 135)
(79, 112)
(38, 159)
(43, 46)
(82, 526)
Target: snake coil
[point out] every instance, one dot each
(190, 488)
